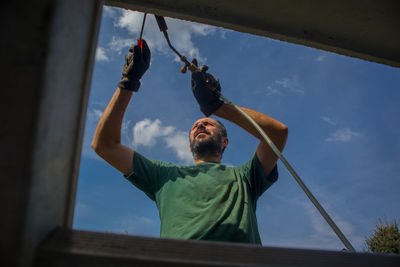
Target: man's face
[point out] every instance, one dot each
(206, 138)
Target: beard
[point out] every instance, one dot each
(205, 147)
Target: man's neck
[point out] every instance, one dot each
(214, 159)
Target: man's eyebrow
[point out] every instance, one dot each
(194, 125)
(210, 122)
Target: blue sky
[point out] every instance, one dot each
(342, 114)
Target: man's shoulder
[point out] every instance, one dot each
(248, 164)
(141, 159)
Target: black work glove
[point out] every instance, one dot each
(208, 100)
(136, 64)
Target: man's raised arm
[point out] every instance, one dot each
(276, 131)
(211, 104)
(107, 138)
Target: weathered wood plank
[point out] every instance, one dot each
(47, 53)
(67, 247)
(362, 29)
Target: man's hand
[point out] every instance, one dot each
(136, 64)
(201, 81)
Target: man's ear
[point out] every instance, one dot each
(225, 141)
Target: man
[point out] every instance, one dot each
(206, 200)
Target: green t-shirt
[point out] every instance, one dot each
(206, 201)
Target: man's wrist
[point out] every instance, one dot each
(225, 111)
(129, 85)
(211, 108)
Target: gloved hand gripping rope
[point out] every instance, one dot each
(212, 101)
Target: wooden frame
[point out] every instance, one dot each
(82, 248)
(47, 60)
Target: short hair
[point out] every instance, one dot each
(221, 126)
(223, 129)
(224, 133)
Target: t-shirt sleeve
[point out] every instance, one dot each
(146, 174)
(253, 172)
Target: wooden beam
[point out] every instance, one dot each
(66, 247)
(367, 30)
(47, 56)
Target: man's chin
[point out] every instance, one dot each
(202, 137)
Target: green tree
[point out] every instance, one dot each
(385, 239)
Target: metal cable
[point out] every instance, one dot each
(143, 22)
(335, 228)
(182, 58)
(321, 210)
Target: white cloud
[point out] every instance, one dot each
(342, 135)
(101, 55)
(272, 91)
(94, 115)
(125, 133)
(131, 21)
(321, 58)
(328, 120)
(223, 33)
(117, 44)
(146, 132)
(284, 82)
(324, 235)
(321, 235)
(81, 209)
(109, 11)
(289, 84)
(92, 118)
(179, 143)
(180, 33)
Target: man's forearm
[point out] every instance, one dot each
(108, 131)
(273, 128)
